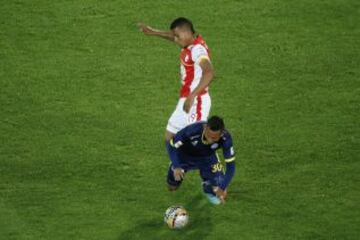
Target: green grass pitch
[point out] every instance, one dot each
(85, 98)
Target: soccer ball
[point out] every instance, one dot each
(176, 217)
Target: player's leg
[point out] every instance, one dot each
(177, 121)
(173, 185)
(211, 175)
(208, 189)
(200, 109)
(187, 164)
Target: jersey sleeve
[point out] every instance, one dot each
(230, 170)
(228, 149)
(179, 138)
(172, 147)
(199, 52)
(229, 156)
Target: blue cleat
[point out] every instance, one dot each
(212, 198)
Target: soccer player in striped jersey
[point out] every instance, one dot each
(196, 74)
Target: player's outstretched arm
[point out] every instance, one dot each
(149, 31)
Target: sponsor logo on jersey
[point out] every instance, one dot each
(193, 137)
(214, 146)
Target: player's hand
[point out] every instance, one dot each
(188, 103)
(147, 30)
(221, 194)
(179, 174)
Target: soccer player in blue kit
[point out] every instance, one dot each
(194, 148)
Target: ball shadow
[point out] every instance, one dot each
(200, 224)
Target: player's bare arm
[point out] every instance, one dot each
(207, 77)
(149, 31)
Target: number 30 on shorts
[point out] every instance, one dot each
(216, 168)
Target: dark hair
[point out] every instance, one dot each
(216, 123)
(182, 22)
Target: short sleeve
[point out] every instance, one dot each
(199, 52)
(179, 138)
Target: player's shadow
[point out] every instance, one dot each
(200, 224)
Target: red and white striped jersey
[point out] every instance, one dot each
(190, 69)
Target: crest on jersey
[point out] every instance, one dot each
(193, 137)
(194, 143)
(186, 58)
(214, 146)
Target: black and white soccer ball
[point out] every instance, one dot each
(176, 217)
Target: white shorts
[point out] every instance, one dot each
(199, 111)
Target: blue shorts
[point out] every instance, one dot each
(211, 170)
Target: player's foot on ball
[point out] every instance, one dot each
(213, 199)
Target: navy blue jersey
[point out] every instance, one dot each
(190, 150)
(191, 141)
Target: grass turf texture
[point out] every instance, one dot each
(85, 99)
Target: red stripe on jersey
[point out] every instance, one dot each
(189, 68)
(198, 108)
(189, 77)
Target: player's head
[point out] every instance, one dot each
(183, 31)
(214, 129)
